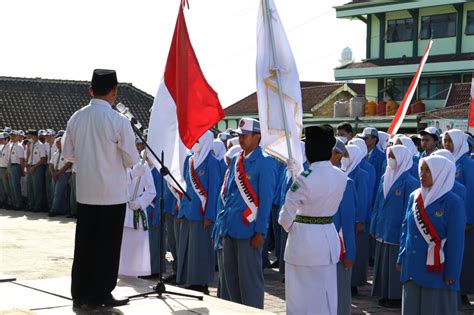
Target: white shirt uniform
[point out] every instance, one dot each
(59, 161)
(50, 149)
(312, 250)
(16, 153)
(37, 152)
(4, 153)
(135, 250)
(101, 144)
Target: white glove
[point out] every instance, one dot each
(134, 205)
(138, 170)
(293, 166)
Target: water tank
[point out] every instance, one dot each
(418, 107)
(370, 108)
(381, 108)
(357, 106)
(392, 107)
(340, 108)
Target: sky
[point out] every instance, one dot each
(58, 39)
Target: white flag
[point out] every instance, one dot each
(269, 109)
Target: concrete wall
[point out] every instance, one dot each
(371, 89)
(375, 38)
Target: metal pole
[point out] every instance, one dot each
(277, 70)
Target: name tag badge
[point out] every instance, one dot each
(201, 172)
(439, 213)
(398, 192)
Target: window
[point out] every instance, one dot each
(435, 88)
(397, 88)
(470, 23)
(438, 26)
(400, 30)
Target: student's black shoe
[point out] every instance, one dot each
(382, 302)
(393, 303)
(465, 299)
(275, 264)
(108, 302)
(171, 279)
(354, 291)
(52, 214)
(153, 276)
(200, 288)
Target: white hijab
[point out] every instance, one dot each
(460, 144)
(404, 160)
(383, 140)
(233, 141)
(355, 156)
(236, 149)
(303, 151)
(407, 142)
(443, 173)
(218, 149)
(202, 148)
(361, 145)
(444, 153)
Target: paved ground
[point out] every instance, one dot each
(33, 246)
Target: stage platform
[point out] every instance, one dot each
(52, 296)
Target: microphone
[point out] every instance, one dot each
(122, 109)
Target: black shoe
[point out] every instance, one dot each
(200, 288)
(393, 303)
(113, 302)
(382, 302)
(275, 264)
(354, 291)
(52, 214)
(152, 276)
(465, 300)
(80, 305)
(170, 279)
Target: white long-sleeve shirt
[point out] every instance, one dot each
(316, 193)
(101, 144)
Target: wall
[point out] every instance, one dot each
(467, 40)
(375, 38)
(441, 46)
(371, 89)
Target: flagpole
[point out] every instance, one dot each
(277, 70)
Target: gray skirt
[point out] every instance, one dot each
(467, 272)
(387, 283)
(420, 301)
(361, 263)
(196, 255)
(344, 297)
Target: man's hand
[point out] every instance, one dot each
(178, 220)
(372, 236)
(134, 205)
(398, 267)
(359, 227)
(207, 223)
(347, 263)
(292, 166)
(257, 241)
(448, 281)
(138, 170)
(33, 169)
(54, 175)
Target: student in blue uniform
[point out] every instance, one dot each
(219, 151)
(344, 221)
(458, 188)
(392, 199)
(369, 168)
(410, 145)
(173, 199)
(455, 141)
(430, 138)
(350, 164)
(245, 218)
(432, 242)
(196, 257)
(375, 156)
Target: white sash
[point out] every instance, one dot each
(246, 191)
(197, 185)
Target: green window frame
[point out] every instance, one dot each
(400, 30)
(469, 23)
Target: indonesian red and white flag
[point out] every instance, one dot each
(185, 106)
(274, 52)
(402, 110)
(471, 108)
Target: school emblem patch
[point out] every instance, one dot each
(306, 173)
(201, 172)
(398, 192)
(439, 213)
(295, 186)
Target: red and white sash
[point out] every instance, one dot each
(197, 185)
(435, 256)
(178, 195)
(223, 193)
(343, 246)
(246, 191)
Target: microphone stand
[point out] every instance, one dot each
(160, 287)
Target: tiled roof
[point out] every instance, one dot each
(312, 93)
(457, 103)
(369, 63)
(43, 103)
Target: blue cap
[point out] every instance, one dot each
(339, 147)
(369, 131)
(432, 131)
(3, 135)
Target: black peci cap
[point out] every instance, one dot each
(104, 79)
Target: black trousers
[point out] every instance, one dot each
(95, 267)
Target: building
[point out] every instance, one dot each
(318, 99)
(42, 103)
(398, 33)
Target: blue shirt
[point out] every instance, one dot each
(389, 211)
(345, 219)
(413, 247)
(465, 175)
(361, 184)
(379, 160)
(209, 173)
(261, 171)
(370, 169)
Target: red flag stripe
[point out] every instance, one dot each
(471, 110)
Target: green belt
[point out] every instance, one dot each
(313, 220)
(137, 215)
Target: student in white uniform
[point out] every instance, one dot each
(135, 252)
(60, 170)
(16, 163)
(313, 246)
(37, 160)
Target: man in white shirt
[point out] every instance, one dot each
(101, 144)
(50, 148)
(4, 186)
(37, 160)
(15, 169)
